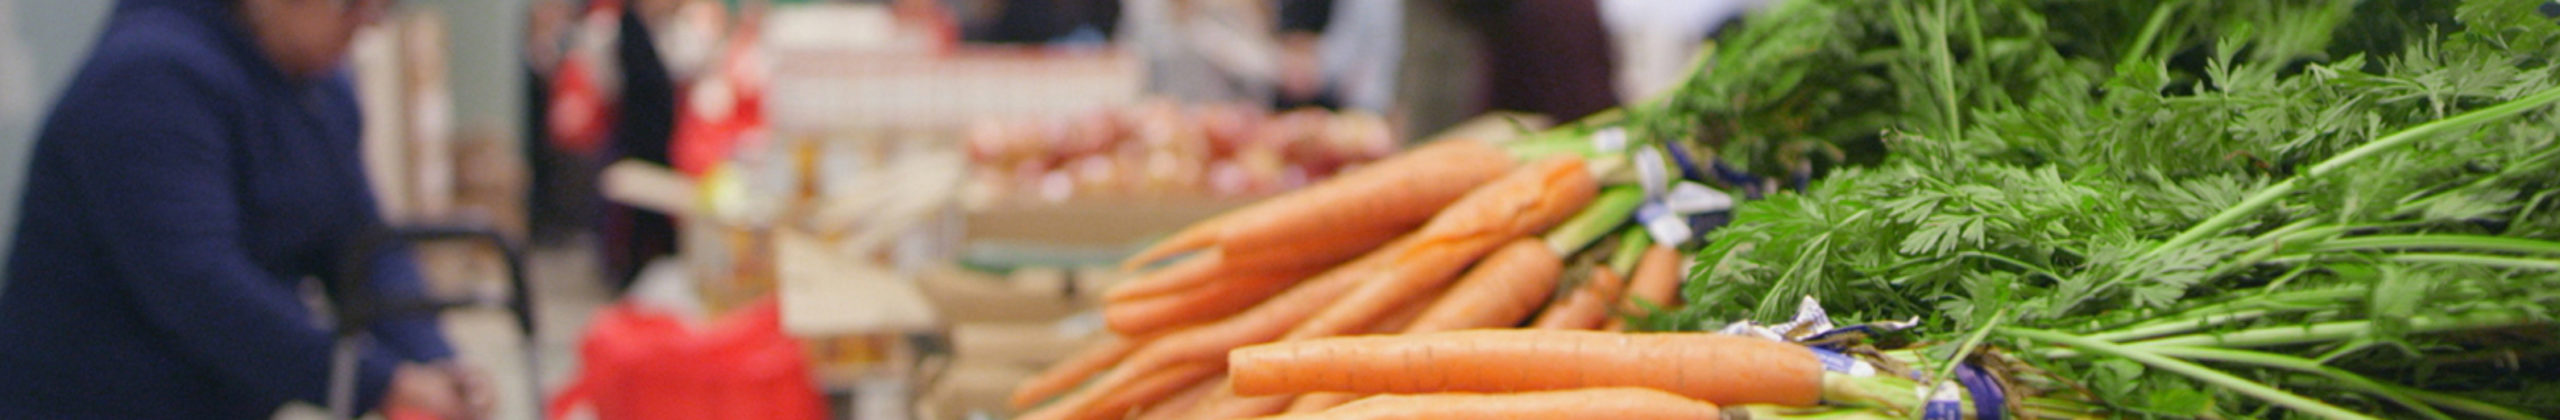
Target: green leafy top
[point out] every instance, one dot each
(2047, 159)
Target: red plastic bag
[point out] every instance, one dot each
(640, 365)
(580, 116)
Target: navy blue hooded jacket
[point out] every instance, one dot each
(180, 194)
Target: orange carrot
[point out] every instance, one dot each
(1171, 279)
(1388, 195)
(1499, 292)
(1195, 237)
(1180, 404)
(1496, 293)
(1717, 368)
(1263, 323)
(1225, 404)
(1117, 402)
(1320, 401)
(1074, 369)
(1393, 194)
(1656, 281)
(1523, 203)
(1158, 387)
(1403, 317)
(1320, 249)
(1587, 308)
(1315, 253)
(1622, 403)
(1206, 303)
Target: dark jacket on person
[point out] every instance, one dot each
(181, 194)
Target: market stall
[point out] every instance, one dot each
(2068, 209)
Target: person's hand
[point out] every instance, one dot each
(426, 389)
(473, 383)
(1301, 69)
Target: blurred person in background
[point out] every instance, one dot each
(1466, 57)
(1363, 41)
(1204, 51)
(195, 174)
(1548, 57)
(556, 207)
(1302, 81)
(1659, 40)
(17, 76)
(1340, 54)
(1041, 21)
(614, 98)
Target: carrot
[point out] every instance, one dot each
(1181, 404)
(1265, 322)
(1201, 304)
(1206, 270)
(1320, 401)
(1402, 317)
(1158, 387)
(1588, 307)
(1195, 237)
(1716, 368)
(1174, 278)
(1226, 404)
(1320, 249)
(1496, 293)
(1499, 292)
(1074, 369)
(1594, 403)
(1656, 281)
(1388, 195)
(1528, 200)
(1117, 403)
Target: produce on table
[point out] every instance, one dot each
(1158, 148)
(2071, 209)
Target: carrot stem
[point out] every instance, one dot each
(2191, 370)
(2342, 377)
(1605, 213)
(1631, 246)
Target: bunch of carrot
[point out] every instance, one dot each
(1454, 235)
(1517, 373)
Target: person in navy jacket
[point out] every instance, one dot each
(198, 170)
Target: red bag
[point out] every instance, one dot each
(640, 365)
(579, 114)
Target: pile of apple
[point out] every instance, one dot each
(1163, 149)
